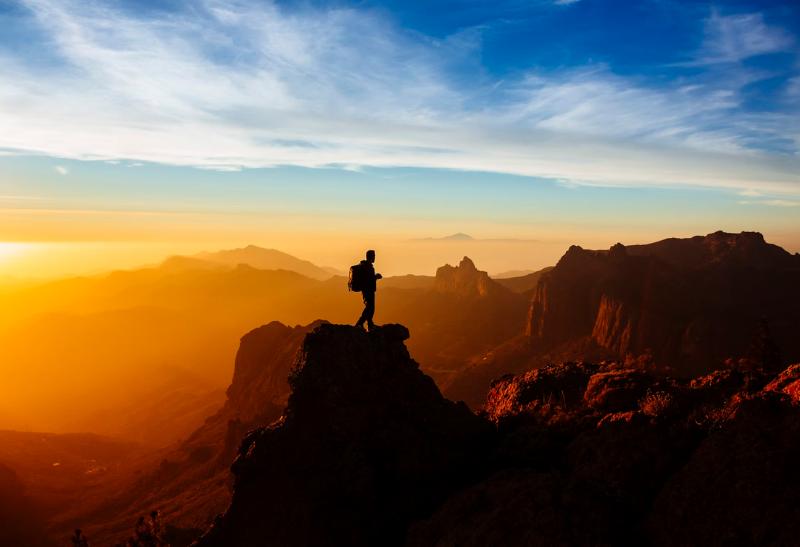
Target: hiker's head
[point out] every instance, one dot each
(371, 255)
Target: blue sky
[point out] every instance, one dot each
(467, 113)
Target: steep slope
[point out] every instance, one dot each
(21, 520)
(189, 483)
(366, 444)
(524, 284)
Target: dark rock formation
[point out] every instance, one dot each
(366, 445)
(710, 461)
(787, 382)
(260, 387)
(740, 486)
(21, 520)
(617, 390)
(687, 303)
(563, 385)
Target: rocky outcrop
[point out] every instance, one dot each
(258, 392)
(687, 304)
(627, 458)
(740, 486)
(464, 279)
(617, 390)
(563, 385)
(366, 445)
(787, 382)
(260, 386)
(190, 483)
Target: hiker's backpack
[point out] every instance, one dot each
(355, 282)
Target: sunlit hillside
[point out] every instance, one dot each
(77, 353)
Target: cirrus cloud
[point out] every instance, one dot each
(228, 85)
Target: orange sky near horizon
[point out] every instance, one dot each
(69, 217)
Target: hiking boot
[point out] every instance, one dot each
(371, 327)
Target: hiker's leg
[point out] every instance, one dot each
(369, 309)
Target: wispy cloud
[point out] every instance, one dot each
(733, 38)
(781, 203)
(750, 193)
(772, 202)
(227, 85)
(61, 170)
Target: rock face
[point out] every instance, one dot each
(260, 386)
(366, 445)
(21, 520)
(617, 390)
(464, 279)
(787, 382)
(191, 484)
(686, 303)
(603, 455)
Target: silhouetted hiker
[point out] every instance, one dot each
(363, 279)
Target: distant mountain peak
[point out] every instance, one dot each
(266, 259)
(459, 236)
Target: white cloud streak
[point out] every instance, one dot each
(231, 85)
(733, 38)
(772, 203)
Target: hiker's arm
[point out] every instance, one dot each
(378, 276)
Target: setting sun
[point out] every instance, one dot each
(9, 251)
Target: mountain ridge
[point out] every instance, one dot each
(267, 259)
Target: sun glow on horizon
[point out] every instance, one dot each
(11, 250)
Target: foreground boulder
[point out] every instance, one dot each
(617, 390)
(634, 460)
(741, 486)
(366, 445)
